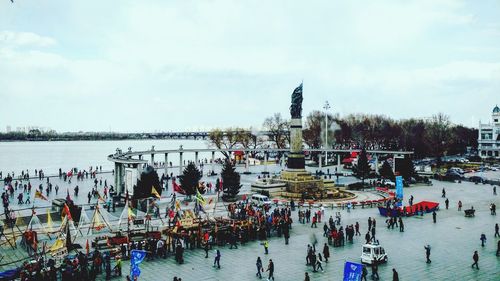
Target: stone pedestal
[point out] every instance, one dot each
(301, 181)
(296, 156)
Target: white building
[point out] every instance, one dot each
(489, 136)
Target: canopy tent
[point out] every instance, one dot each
(100, 220)
(67, 223)
(84, 223)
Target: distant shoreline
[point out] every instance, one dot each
(37, 137)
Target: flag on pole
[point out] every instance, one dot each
(67, 212)
(177, 205)
(154, 192)
(200, 198)
(131, 214)
(178, 188)
(49, 222)
(87, 247)
(136, 257)
(39, 195)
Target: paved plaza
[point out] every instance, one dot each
(453, 238)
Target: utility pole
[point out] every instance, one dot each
(326, 107)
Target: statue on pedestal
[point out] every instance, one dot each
(296, 107)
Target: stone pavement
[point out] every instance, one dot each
(453, 240)
(86, 185)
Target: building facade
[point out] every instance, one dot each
(489, 136)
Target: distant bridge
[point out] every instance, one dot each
(188, 135)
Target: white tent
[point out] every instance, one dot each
(84, 223)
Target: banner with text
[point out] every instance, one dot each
(352, 271)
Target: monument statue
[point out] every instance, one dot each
(296, 107)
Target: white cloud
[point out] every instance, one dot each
(226, 63)
(17, 39)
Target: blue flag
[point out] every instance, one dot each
(352, 271)
(399, 187)
(136, 257)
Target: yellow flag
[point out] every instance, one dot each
(130, 214)
(154, 192)
(200, 198)
(177, 205)
(49, 222)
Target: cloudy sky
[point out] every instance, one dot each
(183, 65)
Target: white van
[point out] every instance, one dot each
(259, 200)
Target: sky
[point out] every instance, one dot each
(148, 66)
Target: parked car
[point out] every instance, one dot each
(477, 179)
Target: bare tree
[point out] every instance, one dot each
(278, 129)
(230, 138)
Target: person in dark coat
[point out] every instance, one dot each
(326, 252)
(427, 253)
(270, 268)
(475, 258)
(364, 273)
(395, 275)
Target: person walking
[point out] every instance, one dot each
(270, 269)
(443, 193)
(206, 247)
(428, 253)
(475, 258)
(319, 263)
(266, 247)
(447, 203)
(483, 239)
(306, 278)
(259, 267)
(217, 259)
(401, 225)
(434, 216)
(498, 248)
(460, 205)
(375, 270)
(367, 237)
(356, 226)
(395, 275)
(326, 251)
(496, 230)
(494, 190)
(314, 262)
(364, 273)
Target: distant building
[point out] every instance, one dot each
(489, 136)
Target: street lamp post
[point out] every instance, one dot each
(326, 107)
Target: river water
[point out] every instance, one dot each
(52, 155)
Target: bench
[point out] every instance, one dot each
(469, 212)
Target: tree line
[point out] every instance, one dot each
(431, 137)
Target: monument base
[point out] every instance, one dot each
(301, 181)
(296, 161)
